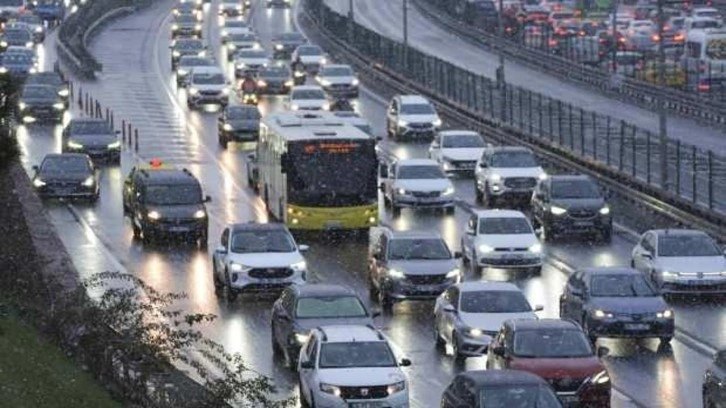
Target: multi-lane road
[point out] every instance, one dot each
(137, 83)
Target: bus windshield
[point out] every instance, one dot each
(310, 164)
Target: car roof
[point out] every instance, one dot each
(414, 234)
(497, 213)
(610, 270)
(337, 66)
(257, 226)
(207, 69)
(536, 324)
(476, 286)
(413, 99)
(307, 88)
(502, 377)
(416, 162)
(349, 333)
(455, 132)
(321, 289)
(168, 176)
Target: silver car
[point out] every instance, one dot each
(338, 81)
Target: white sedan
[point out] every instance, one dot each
(308, 97)
(457, 151)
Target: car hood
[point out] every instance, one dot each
(518, 171)
(309, 103)
(462, 153)
(507, 240)
(176, 211)
(312, 59)
(252, 61)
(579, 203)
(423, 184)
(556, 368)
(188, 51)
(244, 124)
(338, 80)
(266, 260)
(39, 101)
(693, 264)
(275, 79)
(209, 87)
(311, 323)
(423, 266)
(363, 376)
(93, 140)
(653, 304)
(187, 24)
(17, 66)
(418, 118)
(492, 322)
(64, 176)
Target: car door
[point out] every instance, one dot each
(392, 116)
(128, 189)
(576, 300)
(307, 375)
(378, 270)
(495, 361)
(450, 318)
(468, 239)
(435, 148)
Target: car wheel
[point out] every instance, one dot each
(458, 357)
(549, 235)
(439, 343)
(474, 263)
(223, 141)
(203, 241)
(707, 401)
(479, 195)
(230, 294)
(215, 279)
(147, 237)
(632, 263)
(137, 230)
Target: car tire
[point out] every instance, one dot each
(148, 238)
(229, 294)
(136, 230)
(549, 235)
(218, 285)
(458, 357)
(632, 263)
(203, 241)
(707, 401)
(223, 141)
(479, 195)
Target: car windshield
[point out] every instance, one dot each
(421, 248)
(189, 45)
(60, 164)
(551, 343)
(417, 109)
(336, 72)
(504, 226)
(299, 94)
(187, 19)
(89, 127)
(330, 307)
(173, 194)
(208, 79)
(309, 50)
(10, 59)
(514, 159)
(622, 285)
(687, 245)
(252, 54)
(422, 171)
(30, 19)
(708, 13)
(261, 241)
(518, 396)
(459, 141)
(291, 37)
(678, 23)
(574, 189)
(275, 72)
(235, 24)
(195, 62)
(356, 354)
(246, 37)
(494, 301)
(628, 58)
(45, 92)
(706, 24)
(242, 113)
(17, 34)
(43, 79)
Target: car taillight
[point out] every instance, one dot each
(679, 37)
(656, 37)
(703, 87)
(552, 43)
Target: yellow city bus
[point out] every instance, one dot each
(316, 172)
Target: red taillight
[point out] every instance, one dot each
(679, 37)
(704, 87)
(552, 43)
(656, 37)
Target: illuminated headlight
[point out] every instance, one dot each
(241, 65)
(542, 177)
(234, 267)
(355, 82)
(225, 91)
(670, 274)
(182, 72)
(325, 82)
(495, 177)
(225, 33)
(294, 107)
(59, 106)
(299, 74)
(114, 145)
(261, 83)
(326, 106)
(3, 43)
(29, 44)
(227, 127)
(200, 214)
(175, 26)
(330, 389)
(666, 314)
(22, 105)
(323, 61)
(475, 332)
(557, 210)
(402, 123)
(449, 191)
(299, 266)
(176, 53)
(453, 273)
(279, 46)
(198, 27)
(396, 387)
(89, 181)
(402, 191)
(38, 29)
(193, 91)
(601, 314)
(64, 92)
(3, 70)
(396, 274)
(437, 122)
(601, 378)
(239, 7)
(605, 210)
(33, 70)
(74, 145)
(256, 46)
(301, 338)
(536, 248)
(202, 53)
(485, 249)
(38, 182)
(153, 215)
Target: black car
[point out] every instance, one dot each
(67, 175)
(275, 80)
(16, 36)
(50, 78)
(164, 201)
(284, 44)
(186, 65)
(302, 308)
(187, 25)
(94, 137)
(500, 388)
(17, 65)
(616, 302)
(40, 103)
(563, 204)
(238, 123)
(714, 382)
(186, 46)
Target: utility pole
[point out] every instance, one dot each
(614, 43)
(405, 22)
(501, 84)
(662, 122)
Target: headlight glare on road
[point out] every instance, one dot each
(605, 210)
(114, 145)
(38, 182)
(557, 210)
(536, 248)
(301, 338)
(666, 314)
(89, 181)
(396, 274)
(601, 378)
(485, 249)
(330, 389)
(153, 215)
(74, 145)
(448, 191)
(396, 387)
(601, 314)
(453, 273)
(59, 106)
(200, 214)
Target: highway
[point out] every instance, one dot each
(138, 85)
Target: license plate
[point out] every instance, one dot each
(178, 229)
(637, 326)
(582, 223)
(333, 224)
(368, 404)
(513, 256)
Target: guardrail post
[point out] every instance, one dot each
(531, 112)
(108, 116)
(647, 156)
(634, 159)
(594, 135)
(710, 180)
(521, 109)
(99, 110)
(559, 122)
(85, 105)
(80, 98)
(136, 140)
(572, 136)
(607, 141)
(694, 172)
(622, 144)
(112, 124)
(129, 131)
(582, 132)
(678, 167)
(551, 116)
(123, 130)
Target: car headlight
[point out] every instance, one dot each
(38, 29)
(601, 378)
(301, 338)
(396, 387)
(89, 181)
(225, 33)
(3, 43)
(235, 267)
(193, 91)
(402, 123)
(325, 82)
(175, 26)
(323, 61)
(279, 46)
(59, 106)
(202, 53)
(396, 274)
(33, 70)
(557, 210)
(114, 145)
(298, 74)
(227, 127)
(326, 106)
(29, 44)
(495, 178)
(542, 177)
(666, 314)
(670, 274)
(299, 266)
(153, 215)
(38, 182)
(330, 389)
(176, 53)
(475, 332)
(355, 82)
(261, 83)
(74, 145)
(448, 191)
(605, 210)
(225, 91)
(239, 7)
(402, 191)
(601, 314)
(536, 248)
(294, 107)
(64, 92)
(256, 46)
(437, 122)
(22, 105)
(241, 65)
(485, 249)
(289, 83)
(200, 214)
(198, 27)
(453, 273)
(3, 70)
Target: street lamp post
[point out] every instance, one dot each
(501, 84)
(405, 23)
(662, 122)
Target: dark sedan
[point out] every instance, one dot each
(186, 46)
(50, 78)
(714, 382)
(16, 36)
(67, 175)
(284, 44)
(499, 388)
(17, 65)
(40, 103)
(94, 137)
(275, 80)
(301, 308)
(187, 25)
(239, 123)
(616, 302)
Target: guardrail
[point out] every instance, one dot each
(642, 93)
(622, 156)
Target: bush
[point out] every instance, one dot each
(9, 149)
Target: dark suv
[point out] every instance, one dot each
(562, 204)
(162, 200)
(714, 382)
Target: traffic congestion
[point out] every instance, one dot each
(360, 249)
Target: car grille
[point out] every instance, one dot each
(420, 126)
(426, 194)
(209, 93)
(464, 164)
(64, 185)
(520, 182)
(426, 279)
(581, 213)
(566, 384)
(507, 262)
(635, 316)
(510, 249)
(270, 273)
(373, 392)
(177, 221)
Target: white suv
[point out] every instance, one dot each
(411, 116)
(507, 173)
(255, 257)
(416, 183)
(207, 85)
(349, 366)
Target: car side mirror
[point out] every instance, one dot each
(483, 165)
(303, 248)
(538, 308)
(499, 351)
(283, 315)
(647, 256)
(470, 231)
(221, 250)
(207, 199)
(375, 313)
(308, 365)
(602, 351)
(449, 309)
(36, 168)
(382, 186)
(405, 362)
